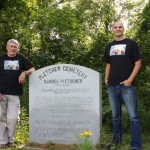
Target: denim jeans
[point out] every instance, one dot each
(124, 94)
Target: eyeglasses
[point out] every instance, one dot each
(13, 46)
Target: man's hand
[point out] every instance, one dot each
(126, 83)
(22, 78)
(1, 97)
(106, 81)
(136, 69)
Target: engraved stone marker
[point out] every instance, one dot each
(64, 100)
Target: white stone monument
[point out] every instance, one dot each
(64, 100)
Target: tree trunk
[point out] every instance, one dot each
(1, 4)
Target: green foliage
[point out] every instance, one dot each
(22, 134)
(145, 27)
(143, 79)
(52, 32)
(51, 146)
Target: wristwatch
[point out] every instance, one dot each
(25, 72)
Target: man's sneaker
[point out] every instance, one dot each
(109, 146)
(3, 145)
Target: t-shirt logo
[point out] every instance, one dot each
(11, 65)
(118, 49)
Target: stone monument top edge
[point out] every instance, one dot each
(64, 64)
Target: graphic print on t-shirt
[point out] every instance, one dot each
(11, 65)
(118, 49)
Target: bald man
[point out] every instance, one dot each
(123, 63)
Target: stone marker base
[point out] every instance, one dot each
(30, 148)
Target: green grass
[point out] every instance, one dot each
(106, 137)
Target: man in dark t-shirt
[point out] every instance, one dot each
(123, 62)
(13, 69)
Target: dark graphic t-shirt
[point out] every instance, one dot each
(10, 70)
(121, 55)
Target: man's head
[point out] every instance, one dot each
(12, 47)
(118, 29)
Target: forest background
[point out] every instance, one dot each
(76, 32)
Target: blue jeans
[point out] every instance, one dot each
(123, 94)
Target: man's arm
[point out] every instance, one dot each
(28, 72)
(0, 96)
(24, 73)
(107, 70)
(135, 71)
